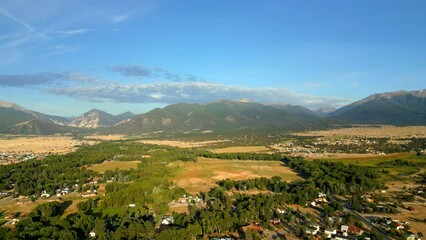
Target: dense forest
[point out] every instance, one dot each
(336, 178)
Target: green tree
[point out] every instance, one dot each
(248, 235)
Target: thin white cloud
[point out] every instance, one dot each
(60, 49)
(22, 23)
(314, 85)
(139, 71)
(120, 18)
(16, 40)
(44, 79)
(73, 31)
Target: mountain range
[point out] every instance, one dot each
(217, 116)
(399, 108)
(96, 118)
(18, 120)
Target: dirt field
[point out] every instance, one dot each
(178, 208)
(9, 205)
(73, 207)
(106, 137)
(241, 149)
(40, 144)
(112, 165)
(414, 218)
(371, 131)
(203, 174)
(397, 186)
(182, 144)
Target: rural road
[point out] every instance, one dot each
(365, 220)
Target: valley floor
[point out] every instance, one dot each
(129, 174)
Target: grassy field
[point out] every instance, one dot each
(72, 207)
(112, 137)
(8, 205)
(40, 144)
(184, 144)
(376, 159)
(242, 149)
(371, 131)
(112, 165)
(389, 173)
(111, 211)
(203, 174)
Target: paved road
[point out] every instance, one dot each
(365, 220)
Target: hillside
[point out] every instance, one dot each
(18, 120)
(38, 127)
(296, 109)
(402, 108)
(10, 117)
(217, 116)
(15, 111)
(96, 118)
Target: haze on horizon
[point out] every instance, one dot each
(67, 57)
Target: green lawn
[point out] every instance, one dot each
(391, 172)
(111, 211)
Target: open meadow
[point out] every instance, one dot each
(368, 159)
(40, 144)
(113, 165)
(242, 149)
(11, 205)
(183, 144)
(203, 174)
(112, 137)
(370, 131)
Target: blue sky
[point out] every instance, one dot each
(67, 57)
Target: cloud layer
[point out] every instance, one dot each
(173, 88)
(151, 72)
(47, 78)
(193, 92)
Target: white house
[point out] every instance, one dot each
(399, 226)
(92, 234)
(167, 220)
(330, 232)
(45, 194)
(340, 237)
(312, 229)
(65, 191)
(281, 211)
(322, 195)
